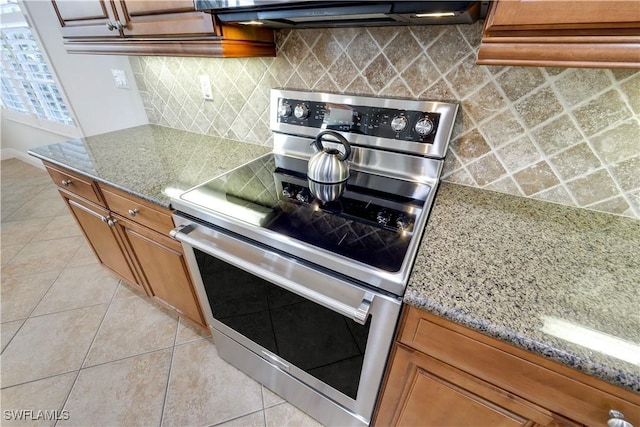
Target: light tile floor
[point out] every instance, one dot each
(77, 340)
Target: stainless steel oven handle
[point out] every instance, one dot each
(358, 314)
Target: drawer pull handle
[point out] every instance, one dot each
(66, 182)
(112, 222)
(617, 419)
(133, 212)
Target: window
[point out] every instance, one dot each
(28, 85)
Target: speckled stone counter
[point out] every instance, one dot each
(151, 162)
(536, 275)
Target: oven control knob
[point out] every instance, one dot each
(402, 223)
(398, 123)
(301, 111)
(304, 196)
(284, 110)
(383, 217)
(287, 192)
(424, 126)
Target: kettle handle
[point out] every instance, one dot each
(341, 139)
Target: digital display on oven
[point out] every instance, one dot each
(341, 117)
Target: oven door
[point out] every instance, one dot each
(317, 335)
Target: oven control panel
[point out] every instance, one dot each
(396, 124)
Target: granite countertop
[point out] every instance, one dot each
(151, 162)
(558, 281)
(517, 269)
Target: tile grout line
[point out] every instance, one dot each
(238, 417)
(75, 380)
(47, 377)
(166, 389)
(587, 140)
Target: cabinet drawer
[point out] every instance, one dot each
(74, 183)
(138, 210)
(562, 390)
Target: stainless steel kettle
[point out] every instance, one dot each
(329, 165)
(328, 168)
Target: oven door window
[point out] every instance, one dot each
(321, 342)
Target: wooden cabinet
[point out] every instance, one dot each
(154, 27)
(159, 260)
(130, 237)
(163, 269)
(441, 373)
(85, 18)
(101, 235)
(562, 33)
(432, 393)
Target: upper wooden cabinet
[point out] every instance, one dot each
(152, 27)
(585, 33)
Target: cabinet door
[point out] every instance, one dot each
(101, 236)
(163, 268)
(86, 18)
(422, 391)
(163, 18)
(553, 33)
(578, 17)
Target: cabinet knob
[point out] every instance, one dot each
(133, 212)
(66, 182)
(111, 222)
(120, 25)
(617, 419)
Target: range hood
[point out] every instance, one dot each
(319, 14)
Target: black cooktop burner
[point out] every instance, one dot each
(372, 222)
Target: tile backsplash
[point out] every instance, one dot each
(570, 136)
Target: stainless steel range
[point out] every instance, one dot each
(301, 281)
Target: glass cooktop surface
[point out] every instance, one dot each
(371, 222)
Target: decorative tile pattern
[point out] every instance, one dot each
(538, 132)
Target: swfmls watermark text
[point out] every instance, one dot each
(35, 414)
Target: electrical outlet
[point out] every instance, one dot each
(205, 87)
(120, 77)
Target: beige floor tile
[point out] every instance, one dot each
(126, 290)
(287, 415)
(187, 333)
(21, 232)
(38, 257)
(16, 171)
(50, 345)
(44, 395)
(204, 389)
(83, 256)
(269, 398)
(8, 331)
(78, 287)
(14, 196)
(132, 326)
(252, 420)
(21, 294)
(47, 203)
(59, 227)
(129, 392)
(8, 252)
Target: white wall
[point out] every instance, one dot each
(18, 137)
(86, 80)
